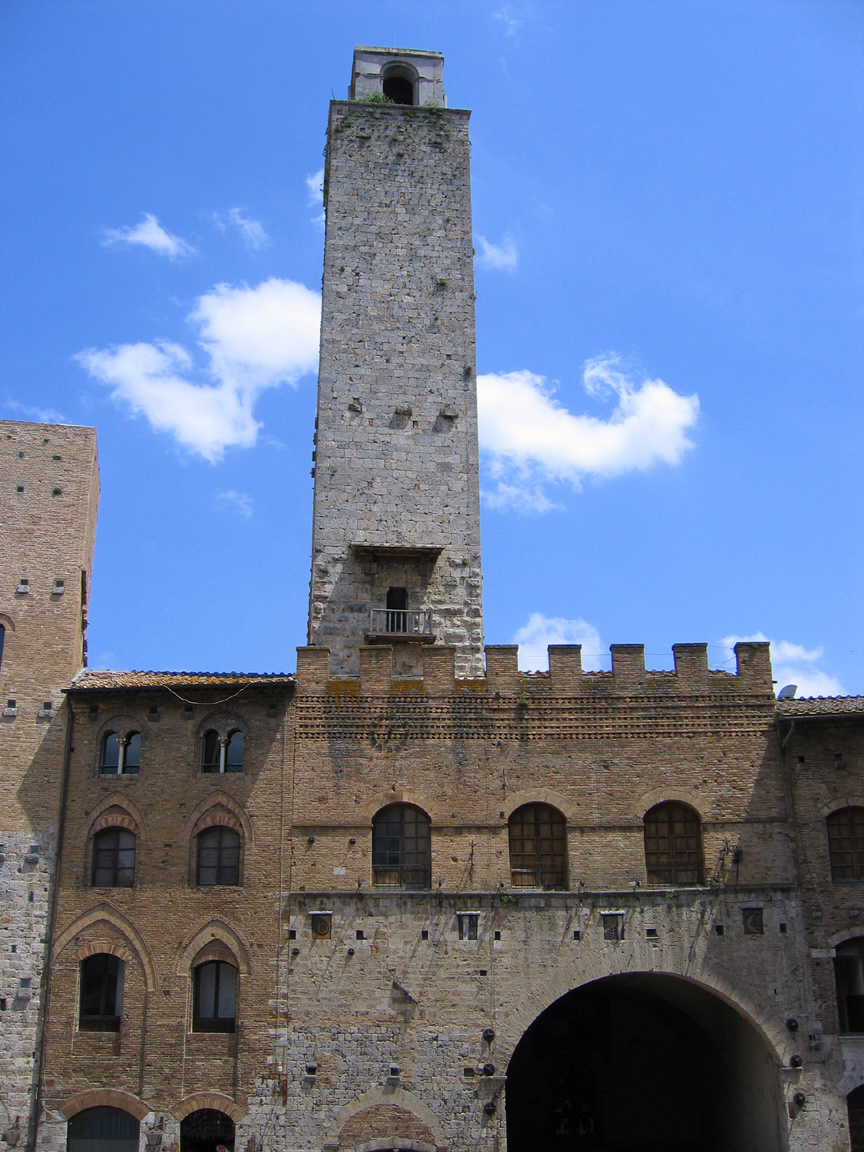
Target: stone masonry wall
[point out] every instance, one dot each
(396, 466)
(49, 490)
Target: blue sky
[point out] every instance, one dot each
(670, 276)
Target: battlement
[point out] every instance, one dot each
(565, 679)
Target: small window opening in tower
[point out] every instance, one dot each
(397, 609)
(398, 87)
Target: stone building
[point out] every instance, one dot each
(410, 898)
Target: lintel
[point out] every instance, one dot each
(400, 551)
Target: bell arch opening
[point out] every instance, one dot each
(643, 1063)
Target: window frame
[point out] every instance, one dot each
(856, 846)
(690, 872)
(215, 760)
(559, 871)
(101, 1021)
(220, 830)
(421, 869)
(213, 1023)
(95, 867)
(123, 741)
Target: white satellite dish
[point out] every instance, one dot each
(787, 693)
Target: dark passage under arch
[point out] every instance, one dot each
(102, 1130)
(207, 1131)
(642, 1063)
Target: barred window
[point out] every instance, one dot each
(101, 994)
(401, 853)
(113, 858)
(673, 845)
(538, 847)
(846, 844)
(215, 997)
(218, 856)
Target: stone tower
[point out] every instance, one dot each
(396, 524)
(49, 494)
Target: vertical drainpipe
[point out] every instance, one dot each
(45, 984)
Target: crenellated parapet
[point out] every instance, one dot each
(566, 679)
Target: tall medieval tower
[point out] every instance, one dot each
(396, 522)
(49, 495)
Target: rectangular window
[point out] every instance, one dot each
(753, 925)
(468, 923)
(613, 926)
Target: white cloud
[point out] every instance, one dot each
(541, 630)
(793, 664)
(255, 338)
(508, 19)
(252, 231)
(41, 415)
(497, 256)
(315, 194)
(528, 438)
(150, 234)
(240, 501)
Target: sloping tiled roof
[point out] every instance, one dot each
(94, 679)
(821, 706)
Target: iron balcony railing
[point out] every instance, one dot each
(399, 622)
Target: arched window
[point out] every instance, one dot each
(222, 752)
(121, 754)
(401, 855)
(849, 982)
(399, 85)
(846, 843)
(218, 856)
(673, 845)
(108, 1129)
(206, 1131)
(2, 639)
(215, 1006)
(113, 858)
(100, 1002)
(538, 847)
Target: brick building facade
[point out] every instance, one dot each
(409, 897)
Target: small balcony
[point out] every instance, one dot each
(389, 625)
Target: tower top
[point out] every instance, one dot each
(403, 75)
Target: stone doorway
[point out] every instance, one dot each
(643, 1063)
(207, 1131)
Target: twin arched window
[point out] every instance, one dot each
(223, 752)
(121, 753)
(673, 845)
(846, 843)
(113, 858)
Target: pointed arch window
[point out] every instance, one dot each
(401, 850)
(538, 847)
(673, 845)
(2, 639)
(218, 852)
(113, 858)
(101, 993)
(215, 1004)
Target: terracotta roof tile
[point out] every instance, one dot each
(821, 706)
(92, 679)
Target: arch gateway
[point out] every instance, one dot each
(410, 898)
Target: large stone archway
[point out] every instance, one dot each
(643, 1063)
